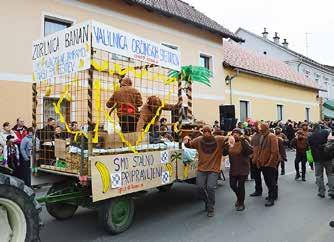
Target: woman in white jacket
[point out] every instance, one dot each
(5, 132)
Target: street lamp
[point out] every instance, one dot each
(228, 81)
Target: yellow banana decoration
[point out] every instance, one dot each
(48, 91)
(81, 63)
(105, 175)
(186, 171)
(170, 169)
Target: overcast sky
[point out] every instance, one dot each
(290, 18)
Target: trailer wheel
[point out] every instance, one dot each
(21, 208)
(165, 188)
(116, 215)
(60, 210)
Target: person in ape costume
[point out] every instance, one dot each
(126, 100)
(148, 111)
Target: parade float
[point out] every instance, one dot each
(107, 90)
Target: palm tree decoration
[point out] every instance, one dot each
(187, 76)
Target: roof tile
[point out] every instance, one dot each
(238, 57)
(188, 14)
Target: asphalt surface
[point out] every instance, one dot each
(298, 216)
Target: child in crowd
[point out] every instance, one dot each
(12, 155)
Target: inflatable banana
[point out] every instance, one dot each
(105, 175)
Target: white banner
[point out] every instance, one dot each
(63, 52)
(122, 43)
(69, 50)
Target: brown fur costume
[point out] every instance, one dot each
(149, 110)
(127, 100)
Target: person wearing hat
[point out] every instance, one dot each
(126, 101)
(216, 125)
(301, 146)
(239, 154)
(268, 159)
(306, 132)
(11, 155)
(210, 153)
(255, 168)
(282, 139)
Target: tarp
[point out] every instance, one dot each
(329, 104)
(328, 109)
(328, 113)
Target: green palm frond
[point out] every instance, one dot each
(190, 74)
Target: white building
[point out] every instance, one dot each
(311, 69)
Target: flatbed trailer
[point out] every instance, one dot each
(76, 71)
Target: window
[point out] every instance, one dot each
(307, 114)
(49, 111)
(170, 46)
(279, 112)
(205, 61)
(244, 111)
(316, 77)
(264, 52)
(52, 25)
(307, 73)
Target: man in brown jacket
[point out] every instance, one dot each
(282, 141)
(268, 158)
(126, 100)
(301, 146)
(209, 150)
(255, 169)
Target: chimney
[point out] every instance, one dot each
(276, 38)
(285, 43)
(265, 33)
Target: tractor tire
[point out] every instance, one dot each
(21, 208)
(59, 210)
(116, 215)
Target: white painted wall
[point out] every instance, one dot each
(260, 45)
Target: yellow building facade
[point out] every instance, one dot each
(264, 95)
(25, 22)
(267, 89)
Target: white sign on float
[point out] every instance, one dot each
(63, 52)
(69, 51)
(116, 41)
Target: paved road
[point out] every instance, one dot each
(298, 216)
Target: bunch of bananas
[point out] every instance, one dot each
(105, 175)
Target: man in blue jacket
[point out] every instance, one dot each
(26, 148)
